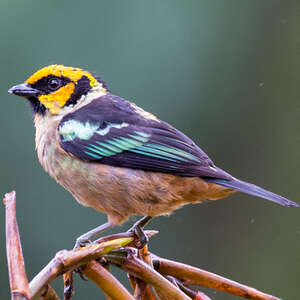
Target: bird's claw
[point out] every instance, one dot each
(141, 238)
(137, 229)
(80, 242)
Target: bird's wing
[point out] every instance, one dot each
(113, 131)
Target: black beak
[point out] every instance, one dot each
(24, 90)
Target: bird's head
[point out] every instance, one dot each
(56, 86)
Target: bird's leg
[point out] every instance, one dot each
(137, 229)
(86, 237)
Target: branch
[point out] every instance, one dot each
(143, 289)
(127, 234)
(128, 262)
(106, 281)
(70, 260)
(17, 275)
(151, 277)
(194, 276)
(190, 292)
(68, 278)
(49, 293)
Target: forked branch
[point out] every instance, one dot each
(16, 268)
(151, 277)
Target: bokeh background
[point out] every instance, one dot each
(224, 72)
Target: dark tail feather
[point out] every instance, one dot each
(249, 188)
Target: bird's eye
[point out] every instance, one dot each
(54, 83)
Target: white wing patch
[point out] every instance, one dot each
(106, 130)
(73, 129)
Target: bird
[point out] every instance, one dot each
(117, 158)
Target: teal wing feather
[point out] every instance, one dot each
(119, 136)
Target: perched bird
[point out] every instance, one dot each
(115, 157)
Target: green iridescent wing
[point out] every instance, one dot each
(114, 133)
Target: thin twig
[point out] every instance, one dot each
(105, 265)
(187, 290)
(68, 285)
(145, 255)
(17, 275)
(149, 294)
(140, 289)
(49, 293)
(128, 261)
(127, 234)
(138, 263)
(194, 276)
(163, 296)
(106, 281)
(69, 260)
(146, 292)
(131, 280)
(201, 296)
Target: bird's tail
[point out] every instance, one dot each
(249, 188)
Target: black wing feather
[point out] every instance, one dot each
(110, 130)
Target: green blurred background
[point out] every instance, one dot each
(224, 72)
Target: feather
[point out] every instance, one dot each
(113, 131)
(251, 189)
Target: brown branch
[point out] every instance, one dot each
(147, 292)
(190, 292)
(140, 289)
(132, 281)
(128, 261)
(149, 233)
(187, 290)
(65, 261)
(148, 282)
(201, 296)
(106, 281)
(68, 285)
(144, 289)
(105, 265)
(17, 275)
(145, 255)
(194, 276)
(137, 285)
(49, 293)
